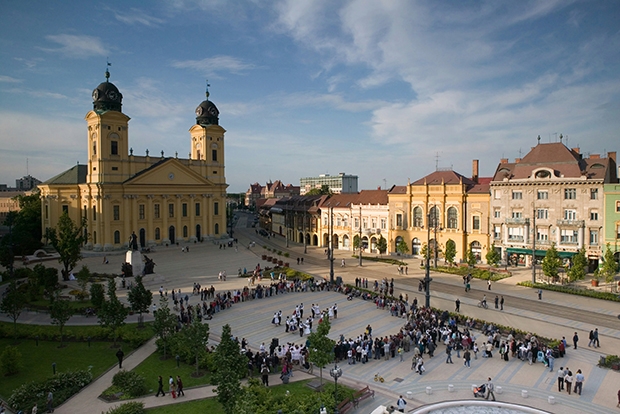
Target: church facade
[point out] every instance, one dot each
(164, 200)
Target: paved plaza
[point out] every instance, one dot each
(252, 320)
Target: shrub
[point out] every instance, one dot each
(10, 360)
(130, 383)
(573, 290)
(64, 385)
(134, 407)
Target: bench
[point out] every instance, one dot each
(345, 405)
(362, 395)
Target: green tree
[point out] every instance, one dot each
(27, 229)
(13, 303)
(324, 190)
(47, 278)
(450, 252)
(402, 247)
(68, 238)
(165, 323)
(578, 270)
(425, 252)
(60, 312)
(113, 313)
(7, 244)
(320, 347)
(193, 339)
(97, 295)
(83, 276)
(10, 360)
(471, 258)
(382, 245)
(140, 299)
(609, 267)
(493, 256)
(231, 367)
(551, 263)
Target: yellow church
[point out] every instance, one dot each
(164, 200)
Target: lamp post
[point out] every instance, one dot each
(427, 273)
(533, 243)
(360, 243)
(330, 246)
(335, 372)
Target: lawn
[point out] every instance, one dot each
(36, 361)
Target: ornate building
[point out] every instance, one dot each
(163, 199)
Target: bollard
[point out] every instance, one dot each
(498, 390)
(450, 388)
(429, 390)
(524, 393)
(409, 395)
(54, 368)
(178, 359)
(551, 400)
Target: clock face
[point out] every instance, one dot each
(171, 176)
(112, 95)
(199, 111)
(198, 146)
(95, 94)
(213, 111)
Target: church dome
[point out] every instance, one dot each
(107, 97)
(207, 113)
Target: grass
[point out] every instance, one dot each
(36, 361)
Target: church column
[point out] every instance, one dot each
(179, 217)
(98, 218)
(134, 216)
(191, 205)
(126, 217)
(107, 233)
(165, 213)
(206, 211)
(150, 228)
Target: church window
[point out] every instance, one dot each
(65, 209)
(114, 148)
(217, 228)
(116, 212)
(184, 231)
(476, 223)
(157, 233)
(171, 210)
(197, 209)
(95, 147)
(156, 211)
(214, 155)
(141, 211)
(47, 212)
(94, 213)
(184, 206)
(216, 208)
(452, 218)
(417, 217)
(117, 237)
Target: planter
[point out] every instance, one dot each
(274, 260)
(286, 264)
(280, 262)
(264, 257)
(594, 282)
(269, 258)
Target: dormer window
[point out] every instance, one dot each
(542, 174)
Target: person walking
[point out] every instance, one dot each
(458, 305)
(489, 284)
(501, 303)
(578, 382)
(180, 387)
(575, 340)
(401, 403)
(467, 358)
(496, 302)
(449, 354)
(561, 375)
(160, 387)
(596, 342)
(539, 294)
(264, 371)
(568, 381)
(490, 389)
(120, 354)
(50, 402)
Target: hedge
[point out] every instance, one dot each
(573, 290)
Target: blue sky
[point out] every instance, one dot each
(380, 89)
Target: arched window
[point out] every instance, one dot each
(416, 246)
(184, 231)
(117, 237)
(434, 217)
(157, 233)
(452, 218)
(417, 217)
(217, 228)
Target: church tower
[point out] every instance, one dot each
(108, 146)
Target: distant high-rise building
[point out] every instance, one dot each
(26, 183)
(338, 184)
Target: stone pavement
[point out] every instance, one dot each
(251, 320)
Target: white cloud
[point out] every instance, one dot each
(75, 46)
(136, 16)
(212, 66)
(9, 79)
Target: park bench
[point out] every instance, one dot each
(345, 405)
(362, 395)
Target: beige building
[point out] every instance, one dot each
(164, 200)
(275, 189)
(450, 205)
(552, 195)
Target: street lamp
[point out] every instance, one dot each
(335, 372)
(330, 246)
(360, 241)
(534, 234)
(427, 273)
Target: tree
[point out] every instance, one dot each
(60, 312)
(425, 252)
(320, 347)
(27, 229)
(324, 190)
(493, 256)
(609, 268)
(551, 262)
(113, 313)
(165, 323)
(382, 245)
(47, 278)
(578, 270)
(10, 360)
(140, 299)
(7, 244)
(13, 303)
(402, 247)
(97, 295)
(471, 258)
(193, 338)
(83, 276)
(450, 252)
(231, 367)
(67, 239)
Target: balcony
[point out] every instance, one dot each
(520, 220)
(571, 223)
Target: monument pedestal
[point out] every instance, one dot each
(134, 258)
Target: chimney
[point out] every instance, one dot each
(576, 150)
(474, 170)
(517, 160)
(595, 156)
(504, 161)
(611, 155)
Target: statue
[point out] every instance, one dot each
(149, 265)
(133, 241)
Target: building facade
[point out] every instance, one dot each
(275, 189)
(441, 206)
(341, 183)
(164, 200)
(612, 218)
(554, 195)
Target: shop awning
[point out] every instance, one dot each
(539, 253)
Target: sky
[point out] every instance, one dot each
(387, 90)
